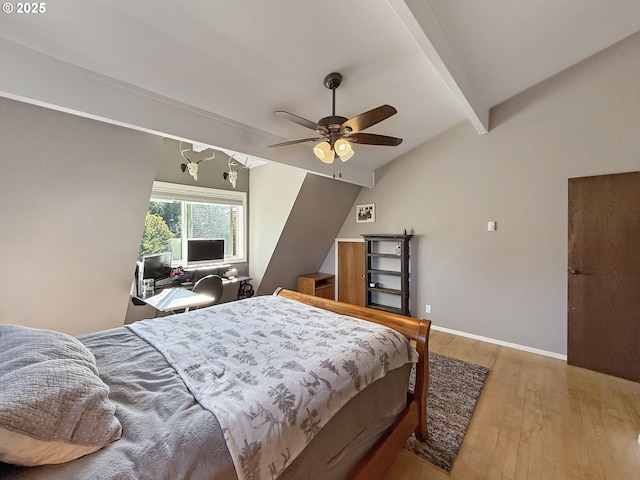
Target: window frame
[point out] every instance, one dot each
(190, 193)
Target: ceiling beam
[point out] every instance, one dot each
(424, 25)
(47, 82)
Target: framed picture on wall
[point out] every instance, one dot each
(366, 213)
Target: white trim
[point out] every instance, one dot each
(516, 346)
(191, 193)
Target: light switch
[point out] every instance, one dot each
(491, 226)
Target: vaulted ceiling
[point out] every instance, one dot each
(213, 71)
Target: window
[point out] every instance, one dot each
(180, 212)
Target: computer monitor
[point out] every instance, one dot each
(157, 266)
(205, 250)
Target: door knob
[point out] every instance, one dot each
(575, 271)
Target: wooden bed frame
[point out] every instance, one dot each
(414, 418)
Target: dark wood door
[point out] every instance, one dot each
(604, 274)
(351, 272)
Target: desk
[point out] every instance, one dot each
(177, 298)
(245, 290)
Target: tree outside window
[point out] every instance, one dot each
(156, 237)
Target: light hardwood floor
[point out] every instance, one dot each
(538, 418)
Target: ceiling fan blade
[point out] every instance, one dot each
(293, 142)
(373, 139)
(301, 121)
(367, 119)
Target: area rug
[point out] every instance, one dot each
(454, 388)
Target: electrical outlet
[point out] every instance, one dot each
(428, 309)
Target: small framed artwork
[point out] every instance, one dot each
(366, 213)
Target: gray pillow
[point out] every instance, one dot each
(53, 405)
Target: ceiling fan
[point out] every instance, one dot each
(338, 133)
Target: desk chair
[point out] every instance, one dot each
(210, 285)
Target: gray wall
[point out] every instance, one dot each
(209, 172)
(73, 197)
(509, 285)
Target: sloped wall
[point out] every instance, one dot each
(274, 189)
(73, 196)
(315, 219)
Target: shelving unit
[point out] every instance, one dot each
(387, 272)
(317, 284)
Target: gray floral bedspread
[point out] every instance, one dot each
(273, 371)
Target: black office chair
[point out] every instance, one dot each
(210, 285)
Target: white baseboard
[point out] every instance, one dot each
(516, 346)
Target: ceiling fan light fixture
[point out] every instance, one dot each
(324, 152)
(346, 156)
(339, 132)
(343, 149)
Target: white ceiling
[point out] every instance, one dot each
(224, 66)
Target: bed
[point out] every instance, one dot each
(241, 390)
